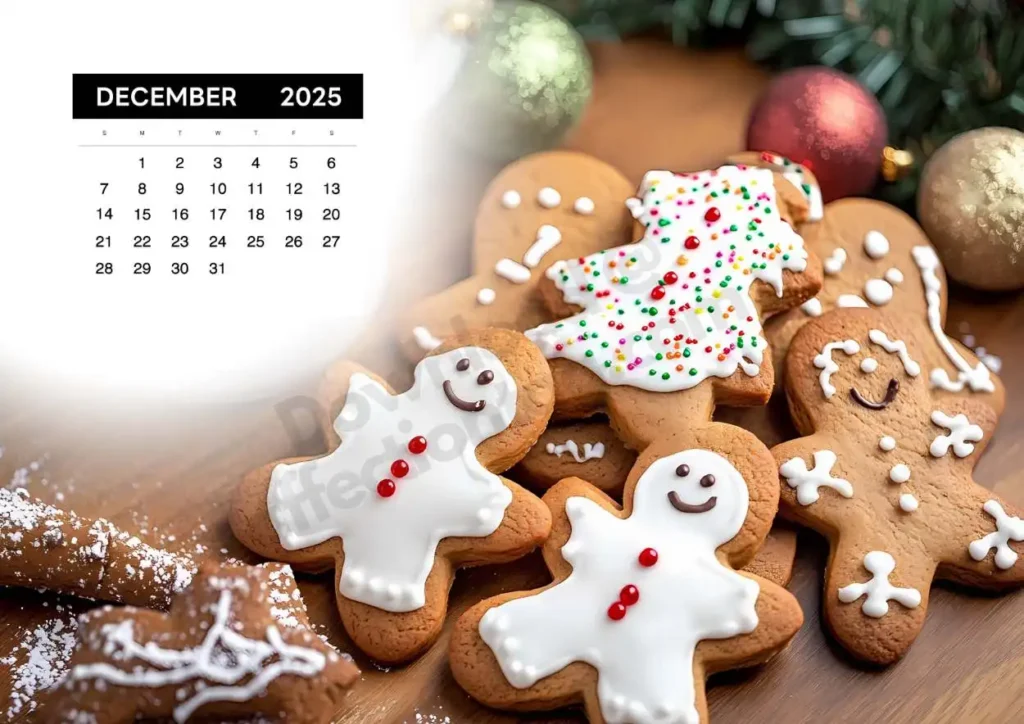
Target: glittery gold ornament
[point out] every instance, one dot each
(524, 83)
(971, 203)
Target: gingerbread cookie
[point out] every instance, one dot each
(647, 599)
(797, 174)
(875, 256)
(411, 490)
(884, 471)
(591, 451)
(44, 547)
(236, 643)
(552, 205)
(671, 325)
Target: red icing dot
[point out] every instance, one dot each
(617, 611)
(399, 468)
(692, 242)
(648, 557)
(629, 595)
(712, 215)
(658, 292)
(417, 445)
(386, 488)
(671, 277)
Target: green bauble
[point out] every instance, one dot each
(525, 82)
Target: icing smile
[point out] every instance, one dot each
(683, 507)
(463, 405)
(890, 395)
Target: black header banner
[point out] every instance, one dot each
(218, 96)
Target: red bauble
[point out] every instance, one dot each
(827, 121)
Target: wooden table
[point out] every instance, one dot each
(168, 468)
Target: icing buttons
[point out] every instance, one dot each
(584, 206)
(899, 473)
(887, 443)
(511, 199)
(908, 503)
(548, 197)
(875, 244)
(486, 296)
(878, 292)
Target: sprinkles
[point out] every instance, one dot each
(673, 309)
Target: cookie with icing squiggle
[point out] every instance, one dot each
(647, 599)
(884, 471)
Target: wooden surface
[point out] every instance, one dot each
(169, 471)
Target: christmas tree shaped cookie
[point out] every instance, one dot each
(885, 472)
(646, 599)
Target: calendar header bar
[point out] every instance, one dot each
(218, 96)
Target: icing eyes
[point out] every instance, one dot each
(462, 365)
(683, 470)
(707, 481)
(485, 378)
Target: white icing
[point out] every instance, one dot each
(894, 276)
(806, 482)
(908, 503)
(632, 323)
(878, 590)
(635, 206)
(486, 296)
(1007, 529)
(850, 300)
(644, 661)
(548, 197)
(590, 450)
(835, 261)
(217, 665)
(424, 339)
(878, 292)
(824, 363)
(875, 244)
(961, 435)
(511, 199)
(512, 271)
(899, 473)
(898, 347)
(548, 237)
(887, 443)
(868, 365)
(390, 542)
(584, 205)
(797, 175)
(977, 378)
(812, 307)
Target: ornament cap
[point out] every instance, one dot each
(897, 163)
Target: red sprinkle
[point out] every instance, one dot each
(629, 594)
(658, 292)
(418, 445)
(692, 242)
(648, 557)
(399, 468)
(712, 215)
(386, 488)
(671, 277)
(617, 611)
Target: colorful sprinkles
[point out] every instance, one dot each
(673, 309)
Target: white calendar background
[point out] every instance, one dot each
(162, 307)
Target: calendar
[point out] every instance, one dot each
(196, 198)
(208, 175)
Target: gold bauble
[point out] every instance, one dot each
(971, 204)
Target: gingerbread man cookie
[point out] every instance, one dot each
(875, 256)
(656, 332)
(590, 450)
(411, 490)
(647, 599)
(236, 643)
(546, 206)
(45, 547)
(797, 174)
(884, 471)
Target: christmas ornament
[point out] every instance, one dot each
(826, 121)
(897, 163)
(971, 204)
(524, 82)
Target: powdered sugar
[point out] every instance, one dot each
(38, 661)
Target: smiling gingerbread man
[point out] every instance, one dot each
(885, 472)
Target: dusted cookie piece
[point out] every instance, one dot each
(411, 490)
(657, 332)
(875, 256)
(607, 467)
(646, 599)
(235, 644)
(44, 547)
(884, 471)
(547, 206)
